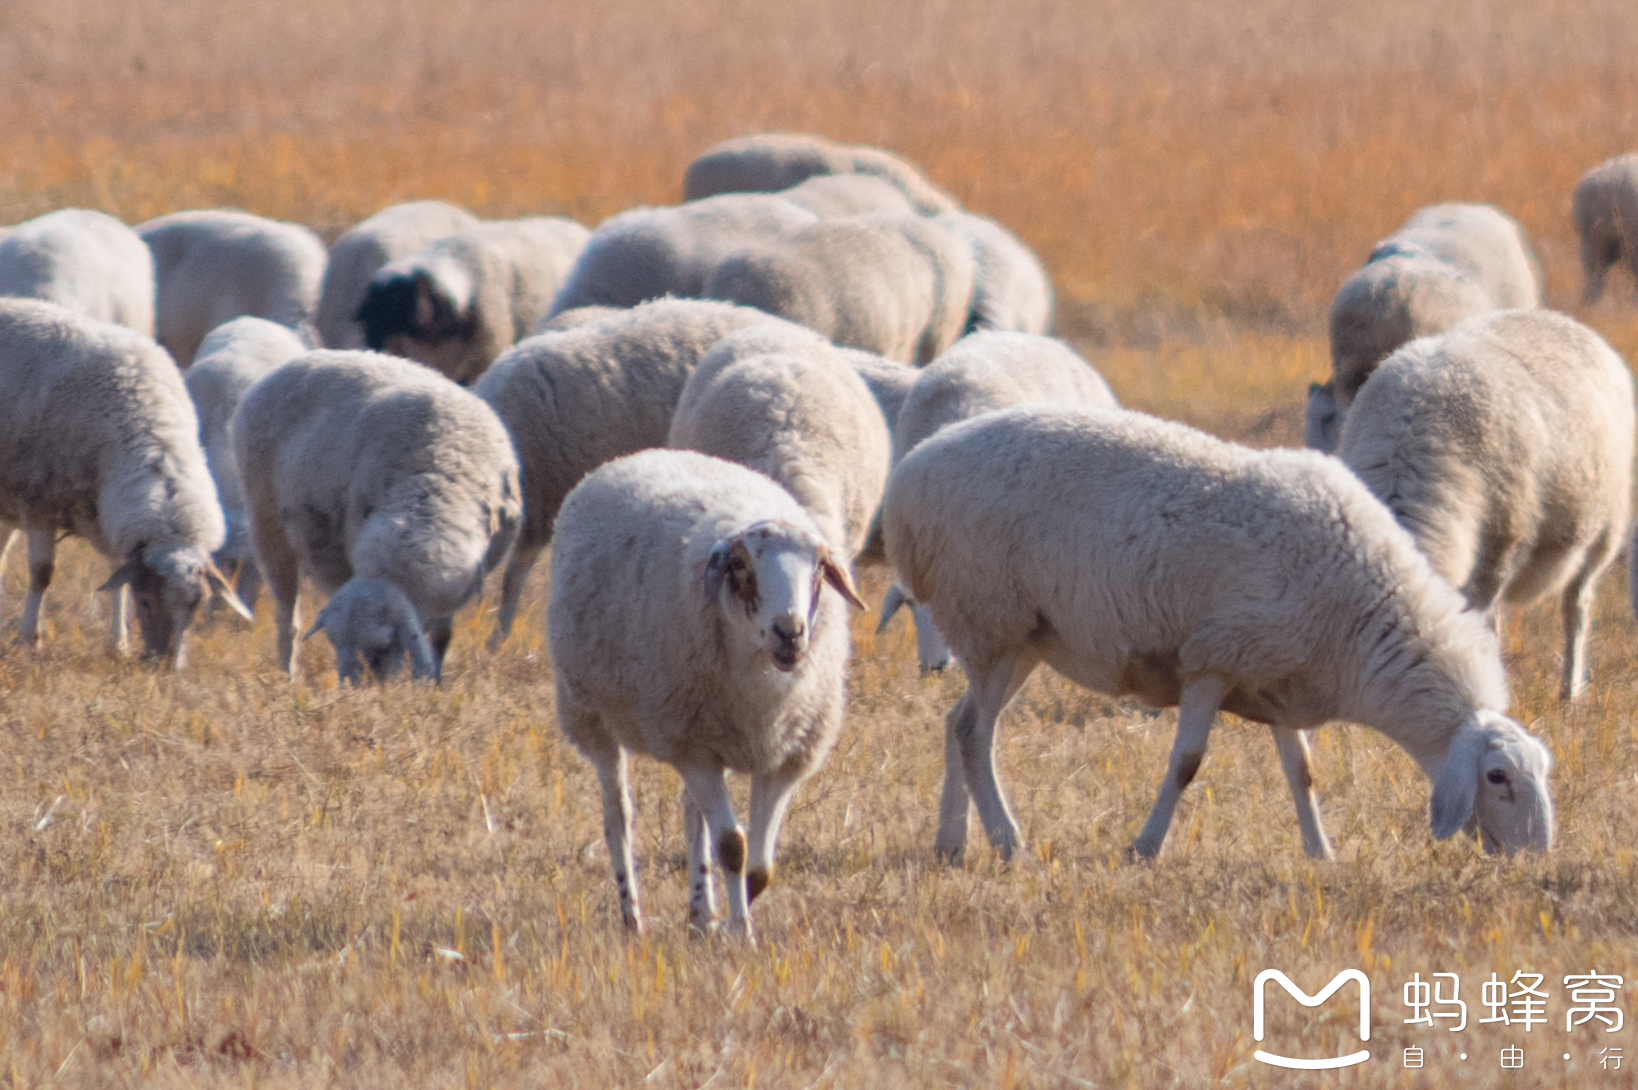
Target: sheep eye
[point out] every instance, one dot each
(1496, 776)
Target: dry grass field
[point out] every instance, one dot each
(222, 878)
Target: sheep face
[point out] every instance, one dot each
(1323, 426)
(167, 591)
(424, 314)
(1494, 783)
(767, 579)
(373, 626)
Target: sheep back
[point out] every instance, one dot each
(84, 260)
(1011, 290)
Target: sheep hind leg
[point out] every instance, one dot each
(517, 573)
(1299, 774)
(705, 784)
(770, 799)
(42, 556)
(611, 774)
(702, 896)
(5, 551)
(970, 745)
(1577, 615)
(1195, 713)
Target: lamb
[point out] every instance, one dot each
(900, 286)
(982, 373)
(87, 261)
(783, 401)
(98, 439)
(392, 488)
(775, 161)
(231, 359)
(1505, 448)
(648, 253)
(394, 232)
(689, 621)
(1135, 555)
(212, 266)
(577, 398)
(1011, 289)
(1605, 212)
(463, 300)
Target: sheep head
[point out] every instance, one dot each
(167, 588)
(423, 311)
(373, 626)
(767, 578)
(1323, 426)
(1494, 782)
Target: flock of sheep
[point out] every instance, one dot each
(714, 411)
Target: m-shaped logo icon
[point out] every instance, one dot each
(1313, 1001)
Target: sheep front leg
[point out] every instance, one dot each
(710, 792)
(1195, 712)
(973, 725)
(1577, 610)
(5, 551)
(282, 570)
(770, 799)
(611, 773)
(1299, 774)
(42, 557)
(702, 895)
(517, 572)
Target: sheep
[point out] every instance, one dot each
(577, 398)
(98, 439)
(783, 401)
(393, 489)
(833, 195)
(981, 373)
(1135, 555)
(557, 323)
(900, 286)
(1505, 448)
(87, 261)
(394, 232)
(211, 266)
(647, 253)
(1605, 213)
(231, 359)
(774, 161)
(1487, 245)
(689, 621)
(1011, 290)
(463, 300)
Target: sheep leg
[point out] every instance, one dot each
(931, 650)
(1577, 615)
(282, 571)
(439, 633)
(42, 556)
(710, 792)
(771, 794)
(702, 895)
(517, 573)
(1594, 267)
(119, 625)
(969, 748)
(1195, 712)
(611, 773)
(5, 551)
(1293, 749)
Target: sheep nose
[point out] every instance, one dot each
(790, 627)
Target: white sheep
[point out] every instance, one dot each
(392, 488)
(1485, 243)
(98, 439)
(1011, 287)
(576, 398)
(1138, 556)
(783, 401)
(981, 373)
(833, 195)
(87, 261)
(231, 359)
(774, 161)
(212, 266)
(394, 232)
(900, 286)
(689, 621)
(465, 299)
(1605, 213)
(648, 253)
(1505, 448)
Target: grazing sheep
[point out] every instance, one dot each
(900, 286)
(394, 232)
(392, 488)
(577, 398)
(649, 253)
(1011, 288)
(796, 411)
(1505, 448)
(557, 323)
(1605, 212)
(1135, 555)
(231, 359)
(465, 299)
(98, 439)
(833, 195)
(689, 621)
(213, 266)
(86, 261)
(774, 161)
(984, 372)
(1487, 245)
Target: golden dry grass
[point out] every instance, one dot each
(222, 878)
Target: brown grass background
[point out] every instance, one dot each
(223, 878)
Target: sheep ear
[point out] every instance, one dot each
(222, 587)
(1457, 787)
(839, 579)
(318, 623)
(716, 570)
(125, 574)
(1315, 387)
(420, 651)
(896, 600)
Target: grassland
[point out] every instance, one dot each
(221, 878)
